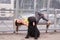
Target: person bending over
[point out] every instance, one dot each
(31, 22)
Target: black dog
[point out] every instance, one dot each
(32, 29)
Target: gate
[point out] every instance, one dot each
(6, 15)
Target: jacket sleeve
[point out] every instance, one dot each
(44, 18)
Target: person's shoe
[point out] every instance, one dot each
(27, 37)
(36, 38)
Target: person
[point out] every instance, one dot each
(39, 16)
(32, 24)
(19, 22)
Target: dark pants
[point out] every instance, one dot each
(32, 30)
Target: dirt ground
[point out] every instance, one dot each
(21, 36)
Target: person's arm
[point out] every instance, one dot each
(44, 18)
(48, 21)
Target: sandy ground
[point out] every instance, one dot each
(21, 36)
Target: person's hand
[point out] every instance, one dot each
(49, 22)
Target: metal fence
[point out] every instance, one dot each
(26, 8)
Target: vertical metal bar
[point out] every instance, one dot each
(44, 3)
(17, 8)
(16, 14)
(21, 9)
(48, 6)
(35, 5)
(13, 16)
(55, 20)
